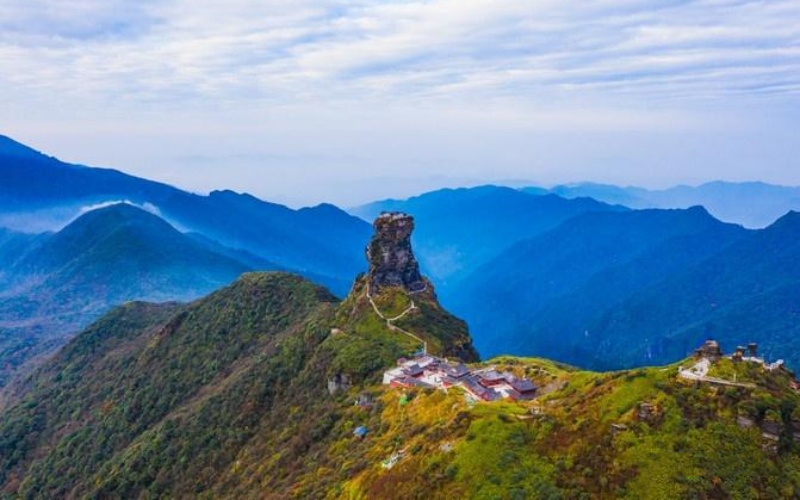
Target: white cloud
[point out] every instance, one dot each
(243, 49)
(147, 207)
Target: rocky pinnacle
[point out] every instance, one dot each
(391, 260)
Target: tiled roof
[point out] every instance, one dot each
(521, 384)
(456, 371)
(443, 373)
(413, 370)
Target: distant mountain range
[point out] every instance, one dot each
(75, 241)
(600, 285)
(41, 192)
(541, 295)
(747, 292)
(752, 204)
(460, 229)
(53, 284)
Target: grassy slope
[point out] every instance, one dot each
(228, 398)
(692, 449)
(169, 405)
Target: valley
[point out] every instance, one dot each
(273, 387)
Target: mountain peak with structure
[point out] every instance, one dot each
(391, 259)
(395, 300)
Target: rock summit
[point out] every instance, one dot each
(391, 260)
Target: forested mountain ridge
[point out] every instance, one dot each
(271, 387)
(76, 240)
(54, 285)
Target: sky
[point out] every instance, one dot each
(301, 102)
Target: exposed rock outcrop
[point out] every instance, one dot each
(391, 260)
(339, 383)
(710, 350)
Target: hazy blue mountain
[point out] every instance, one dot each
(460, 229)
(322, 240)
(115, 246)
(253, 261)
(752, 204)
(627, 196)
(34, 181)
(12, 245)
(9, 148)
(748, 292)
(543, 296)
(39, 192)
(108, 256)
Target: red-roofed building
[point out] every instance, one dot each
(427, 371)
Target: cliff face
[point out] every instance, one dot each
(396, 287)
(391, 260)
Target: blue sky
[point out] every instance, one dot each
(346, 101)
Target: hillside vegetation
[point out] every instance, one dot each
(54, 285)
(250, 392)
(100, 237)
(585, 439)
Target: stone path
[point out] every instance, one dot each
(699, 372)
(394, 328)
